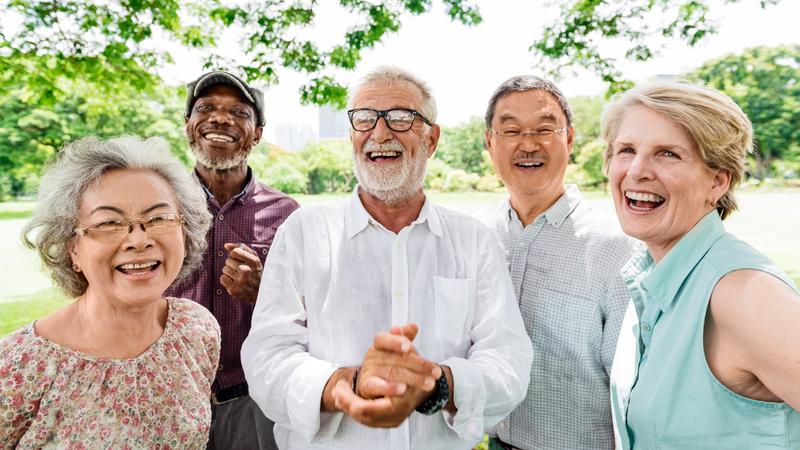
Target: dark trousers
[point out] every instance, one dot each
(239, 424)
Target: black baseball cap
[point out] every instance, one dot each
(254, 96)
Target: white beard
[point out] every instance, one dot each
(218, 164)
(390, 183)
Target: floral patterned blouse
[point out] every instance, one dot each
(53, 397)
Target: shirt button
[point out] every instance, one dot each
(646, 328)
(221, 217)
(219, 291)
(220, 253)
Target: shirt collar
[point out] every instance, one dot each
(555, 214)
(356, 217)
(241, 197)
(665, 278)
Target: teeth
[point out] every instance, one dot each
(644, 197)
(387, 154)
(137, 266)
(218, 137)
(529, 164)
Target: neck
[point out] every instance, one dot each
(119, 330)
(530, 206)
(223, 184)
(395, 216)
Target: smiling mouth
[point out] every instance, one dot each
(138, 269)
(529, 164)
(216, 137)
(642, 201)
(383, 155)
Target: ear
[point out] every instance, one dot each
(570, 138)
(433, 138)
(720, 184)
(487, 140)
(257, 138)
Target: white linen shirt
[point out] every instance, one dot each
(335, 277)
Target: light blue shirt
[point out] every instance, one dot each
(675, 401)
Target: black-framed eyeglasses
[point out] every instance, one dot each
(397, 119)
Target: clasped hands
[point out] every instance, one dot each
(393, 380)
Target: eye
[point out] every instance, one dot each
(510, 132)
(623, 150)
(107, 225)
(241, 113)
(670, 154)
(202, 107)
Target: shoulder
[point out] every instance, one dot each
(191, 318)
(24, 361)
(600, 233)
(455, 220)
(271, 196)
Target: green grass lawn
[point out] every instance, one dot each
(770, 221)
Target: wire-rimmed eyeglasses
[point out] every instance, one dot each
(397, 119)
(115, 229)
(516, 134)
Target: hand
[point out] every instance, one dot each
(392, 365)
(241, 274)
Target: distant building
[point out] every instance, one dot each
(292, 137)
(333, 123)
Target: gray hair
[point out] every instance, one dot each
(392, 74)
(82, 163)
(524, 83)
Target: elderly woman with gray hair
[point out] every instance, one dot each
(120, 367)
(709, 355)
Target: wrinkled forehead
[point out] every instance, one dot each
(384, 94)
(535, 105)
(222, 92)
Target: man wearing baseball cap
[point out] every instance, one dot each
(224, 120)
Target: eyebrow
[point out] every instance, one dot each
(122, 213)
(547, 116)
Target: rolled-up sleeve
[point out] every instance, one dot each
(283, 378)
(493, 378)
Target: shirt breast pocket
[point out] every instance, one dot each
(453, 300)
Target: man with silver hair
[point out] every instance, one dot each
(224, 121)
(385, 321)
(564, 259)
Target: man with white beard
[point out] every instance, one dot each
(385, 321)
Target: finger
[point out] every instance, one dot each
(227, 282)
(397, 374)
(391, 342)
(364, 411)
(244, 254)
(230, 272)
(230, 246)
(410, 331)
(374, 387)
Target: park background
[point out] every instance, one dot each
(70, 69)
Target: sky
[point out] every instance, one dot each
(463, 65)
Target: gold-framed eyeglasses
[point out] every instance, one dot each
(397, 119)
(116, 229)
(516, 134)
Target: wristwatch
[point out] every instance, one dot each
(438, 398)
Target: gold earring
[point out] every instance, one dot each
(75, 267)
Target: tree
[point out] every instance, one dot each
(30, 134)
(765, 83)
(574, 38)
(112, 42)
(462, 146)
(330, 166)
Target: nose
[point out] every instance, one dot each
(528, 141)
(220, 116)
(137, 238)
(381, 133)
(640, 168)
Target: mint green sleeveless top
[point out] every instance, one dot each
(669, 399)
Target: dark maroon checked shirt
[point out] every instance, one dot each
(252, 217)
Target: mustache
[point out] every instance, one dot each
(536, 154)
(394, 145)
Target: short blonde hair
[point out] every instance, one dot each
(718, 127)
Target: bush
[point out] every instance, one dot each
(286, 178)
